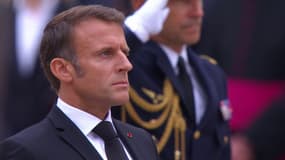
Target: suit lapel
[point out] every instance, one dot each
(205, 81)
(130, 140)
(164, 64)
(72, 135)
(200, 70)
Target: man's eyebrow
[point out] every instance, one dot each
(104, 49)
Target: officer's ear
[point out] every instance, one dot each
(136, 4)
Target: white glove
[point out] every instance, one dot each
(148, 20)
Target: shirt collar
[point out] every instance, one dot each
(86, 122)
(173, 56)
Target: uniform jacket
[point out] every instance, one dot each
(57, 138)
(151, 72)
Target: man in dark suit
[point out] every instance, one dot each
(27, 96)
(84, 55)
(184, 126)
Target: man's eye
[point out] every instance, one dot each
(106, 53)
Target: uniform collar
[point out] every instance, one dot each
(173, 56)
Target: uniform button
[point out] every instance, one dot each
(197, 135)
(226, 139)
(177, 154)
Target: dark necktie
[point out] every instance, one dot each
(187, 89)
(113, 148)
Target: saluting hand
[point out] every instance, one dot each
(148, 20)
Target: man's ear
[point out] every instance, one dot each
(136, 4)
(62, 69)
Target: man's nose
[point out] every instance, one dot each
(125, 63)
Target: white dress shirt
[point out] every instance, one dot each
(30, 24)
(198, 92)
(86, 123)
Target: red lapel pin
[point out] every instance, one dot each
(129, 135)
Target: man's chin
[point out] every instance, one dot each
(192, 40)
(121, 100)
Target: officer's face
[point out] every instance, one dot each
(183, 25)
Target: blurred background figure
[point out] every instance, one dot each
(264, 139)
(247, 39)
(27, 96)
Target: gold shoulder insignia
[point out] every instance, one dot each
(208, 58)
(156, 98)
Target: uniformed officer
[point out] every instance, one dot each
(179, 97)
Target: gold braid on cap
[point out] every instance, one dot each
(168, 107)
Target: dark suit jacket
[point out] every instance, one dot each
(26, 100)
(151, 68)
(57, 138)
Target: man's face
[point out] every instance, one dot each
(183, 25)
(101, 51)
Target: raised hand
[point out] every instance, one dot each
(148, 20)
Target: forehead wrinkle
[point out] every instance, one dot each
(99, 37)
